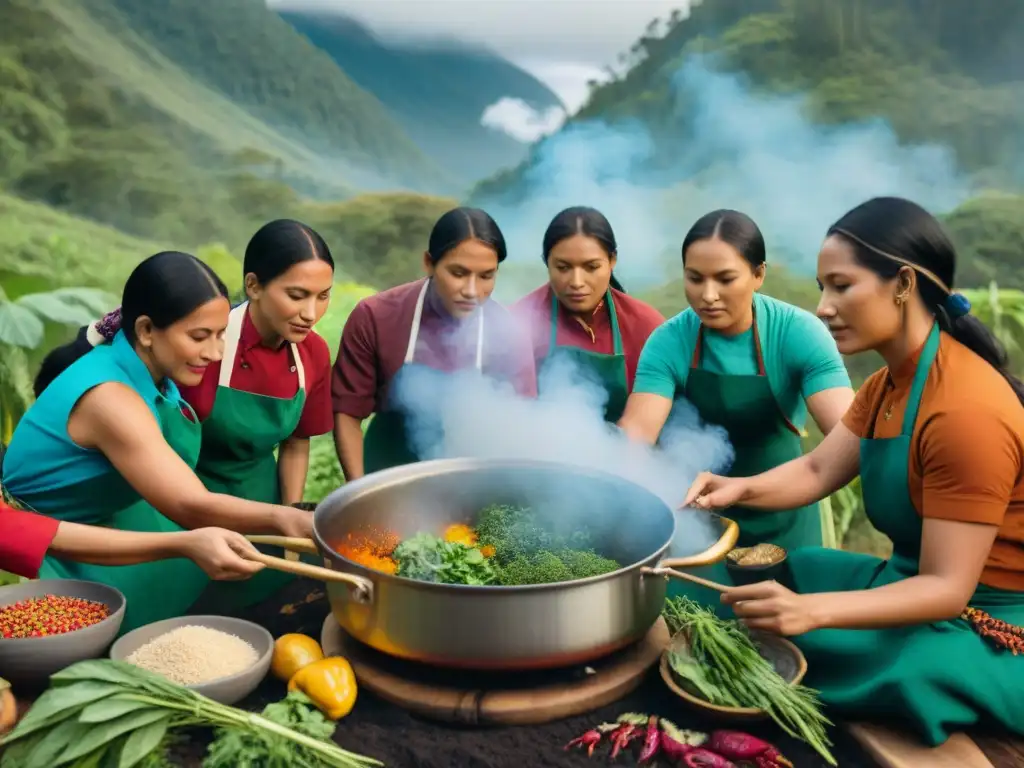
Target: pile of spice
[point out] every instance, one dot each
(759, 554)
(49, 615)
(369, 549)
(193, 655)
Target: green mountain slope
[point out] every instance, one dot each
(437, 92)
(246, 53)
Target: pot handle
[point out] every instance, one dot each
(290, 543)
(362, 589)
(715, 553)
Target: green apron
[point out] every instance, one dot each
(935, 678)
(158, 590)
(609, 370)
(763, 438)
(386, 441)
(237, 458)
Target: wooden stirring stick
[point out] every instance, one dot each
(689, 577)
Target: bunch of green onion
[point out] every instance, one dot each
(724, 666)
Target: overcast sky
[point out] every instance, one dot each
(562, 42)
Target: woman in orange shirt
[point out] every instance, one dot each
(937, 437)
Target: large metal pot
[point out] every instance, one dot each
(526, 627)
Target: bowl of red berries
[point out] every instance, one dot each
(48, 625)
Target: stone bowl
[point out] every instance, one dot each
(29, 662)
(227, 690)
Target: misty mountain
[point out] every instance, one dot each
(436, 91)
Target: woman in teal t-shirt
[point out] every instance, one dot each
(749, 363)
(110, 441)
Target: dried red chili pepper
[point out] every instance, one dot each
(738, 746)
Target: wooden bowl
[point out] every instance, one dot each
(743, 575)
(785, 657)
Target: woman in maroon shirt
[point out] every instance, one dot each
(583, 317)
(26, 538)
(446, 322)
(272, 388)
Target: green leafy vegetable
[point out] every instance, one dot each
(514, 531)
(724, 666)
(426, 557)
(108, 713)
(546, 567)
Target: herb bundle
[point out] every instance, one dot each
(724, 666)
(102, 713)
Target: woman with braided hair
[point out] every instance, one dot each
(110, 441)
(928, 637)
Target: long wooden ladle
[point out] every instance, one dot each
(306, 546)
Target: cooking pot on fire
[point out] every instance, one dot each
(501, 627)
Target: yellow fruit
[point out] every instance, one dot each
(292, 653)
(330, 684)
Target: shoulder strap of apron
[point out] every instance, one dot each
(417, 318)
(924, 365)
(232, 334)
(612, 314)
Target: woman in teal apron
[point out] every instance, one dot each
(426, 329)
(748, 363)
(937, 439)
(582, 322)
(271, 391)
(110, 441)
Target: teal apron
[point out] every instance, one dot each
(158, 590)
(934, 678)
(763, 438)
(608, 370)
(237, 457)
(386, 442)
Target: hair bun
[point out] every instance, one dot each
(957, 305)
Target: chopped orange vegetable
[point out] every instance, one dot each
(461, 534)
(487, 550)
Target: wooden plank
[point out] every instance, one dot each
(1003, 752)
(890, 749)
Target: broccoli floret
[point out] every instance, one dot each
(538, 568)
(583, 563)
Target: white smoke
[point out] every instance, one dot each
(521, 121)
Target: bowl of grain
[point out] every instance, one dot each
(761, 562)
(48, 625)
(220, 657)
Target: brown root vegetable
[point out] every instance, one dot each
(8, 707)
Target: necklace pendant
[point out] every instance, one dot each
(888, 412)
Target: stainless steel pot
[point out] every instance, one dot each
(525, 627)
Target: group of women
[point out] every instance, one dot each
(150, 450)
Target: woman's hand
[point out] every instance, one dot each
(220, 553)
(710, 491)
(294, 523)
(771, 607)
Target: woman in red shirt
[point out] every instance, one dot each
(583, 317)
(26, 538)
(271, 390)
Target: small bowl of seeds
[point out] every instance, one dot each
(762, 562)
(48, 625)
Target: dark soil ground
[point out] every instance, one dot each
(399, 740)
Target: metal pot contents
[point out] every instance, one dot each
(500, 564)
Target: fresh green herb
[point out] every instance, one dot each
(547, 567)
(103, 712)
(724, 666)
(516, 531)
(234, 746)
(426, 557)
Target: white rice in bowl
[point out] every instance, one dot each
(193, 655)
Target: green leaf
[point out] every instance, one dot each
(56, 704)
(56, 741)
(55, 309)
(143, 741)
(15, 755)
(19, 326)
(97, 301)
(104, 733)
(103, 670)
(108, 709)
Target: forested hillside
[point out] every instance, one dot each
(436, 91)
(946, 73)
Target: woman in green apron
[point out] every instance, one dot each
(444, 323)
(936, 437)
(582, 322)
(271, 391)
(111, 442)
(748, 363)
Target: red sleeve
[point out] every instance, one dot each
(317, 415)
(24, 539)
(354, 377)
(202, 395)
